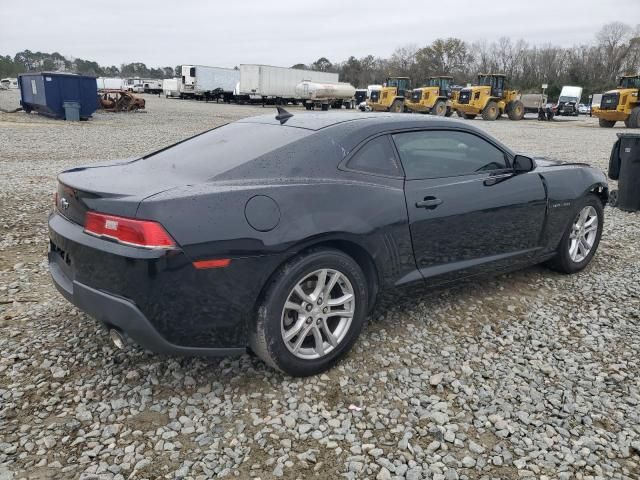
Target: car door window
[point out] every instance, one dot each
(446, 153)
(376, 157)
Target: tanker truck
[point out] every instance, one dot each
(324, 94)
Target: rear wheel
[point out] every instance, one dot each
(633, 120)
(606, 123)
(515, 110)
(325, 107)
(396, 106)
(469, 116)
(440, 108)
(312, 313)
(491, 111)
(581, 239)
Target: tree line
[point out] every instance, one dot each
(615, 50)
(28, 61)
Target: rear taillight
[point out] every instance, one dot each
(129, 231)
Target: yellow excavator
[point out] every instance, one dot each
(620, 104)
(391, 97)
(432, 98)
(490, 99)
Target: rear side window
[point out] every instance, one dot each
(376, 157)
(442, 153)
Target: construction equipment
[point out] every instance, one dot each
(490, 99)
(434, 98)
(620, 104)
(119, 101)
(391, 97)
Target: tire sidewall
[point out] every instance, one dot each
(271, 311)
(568, 264)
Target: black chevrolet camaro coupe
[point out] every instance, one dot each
(277, 233)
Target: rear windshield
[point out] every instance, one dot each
(227, 147)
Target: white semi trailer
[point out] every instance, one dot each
(208, 83)
(325, 95)
(171, 87)
(109, 83)
(269, 84)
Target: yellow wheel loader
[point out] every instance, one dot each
(391, 97)
(620, 104)
(432, 98)
(490, 99)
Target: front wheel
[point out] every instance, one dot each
(396, 106)
(582, 237)
(439, 109)
(515, 110)
(311, 314)
(606, 123)
(491, 111)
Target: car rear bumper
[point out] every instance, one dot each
(123, 315)
(157, 298)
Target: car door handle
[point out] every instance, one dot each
(429, 203)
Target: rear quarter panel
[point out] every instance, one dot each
(210, 221)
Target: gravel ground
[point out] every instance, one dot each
(531, 374)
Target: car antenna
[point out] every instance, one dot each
(283, 115)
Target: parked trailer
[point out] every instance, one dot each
(208, 83)
(533, 102)
(325, 95)
(171, 87)
(108, 83)
(270, 84)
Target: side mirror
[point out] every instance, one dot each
(522, 164)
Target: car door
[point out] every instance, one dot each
(468, 210)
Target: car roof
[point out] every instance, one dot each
(318, 121)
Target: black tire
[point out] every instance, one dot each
(562, 262)
(325, 107)
(515, 110)
(308, 106)
(491, 111)
(606, 123)
(439, 109)
(265, 336)
(396, 106)
(633, 120)
(470, 116)
(449, 112)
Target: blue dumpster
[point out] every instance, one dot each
(47, 92)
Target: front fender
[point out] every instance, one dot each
(566, 184)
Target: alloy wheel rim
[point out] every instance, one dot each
(583, 234)
(317, 314)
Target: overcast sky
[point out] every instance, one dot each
(227, 33)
